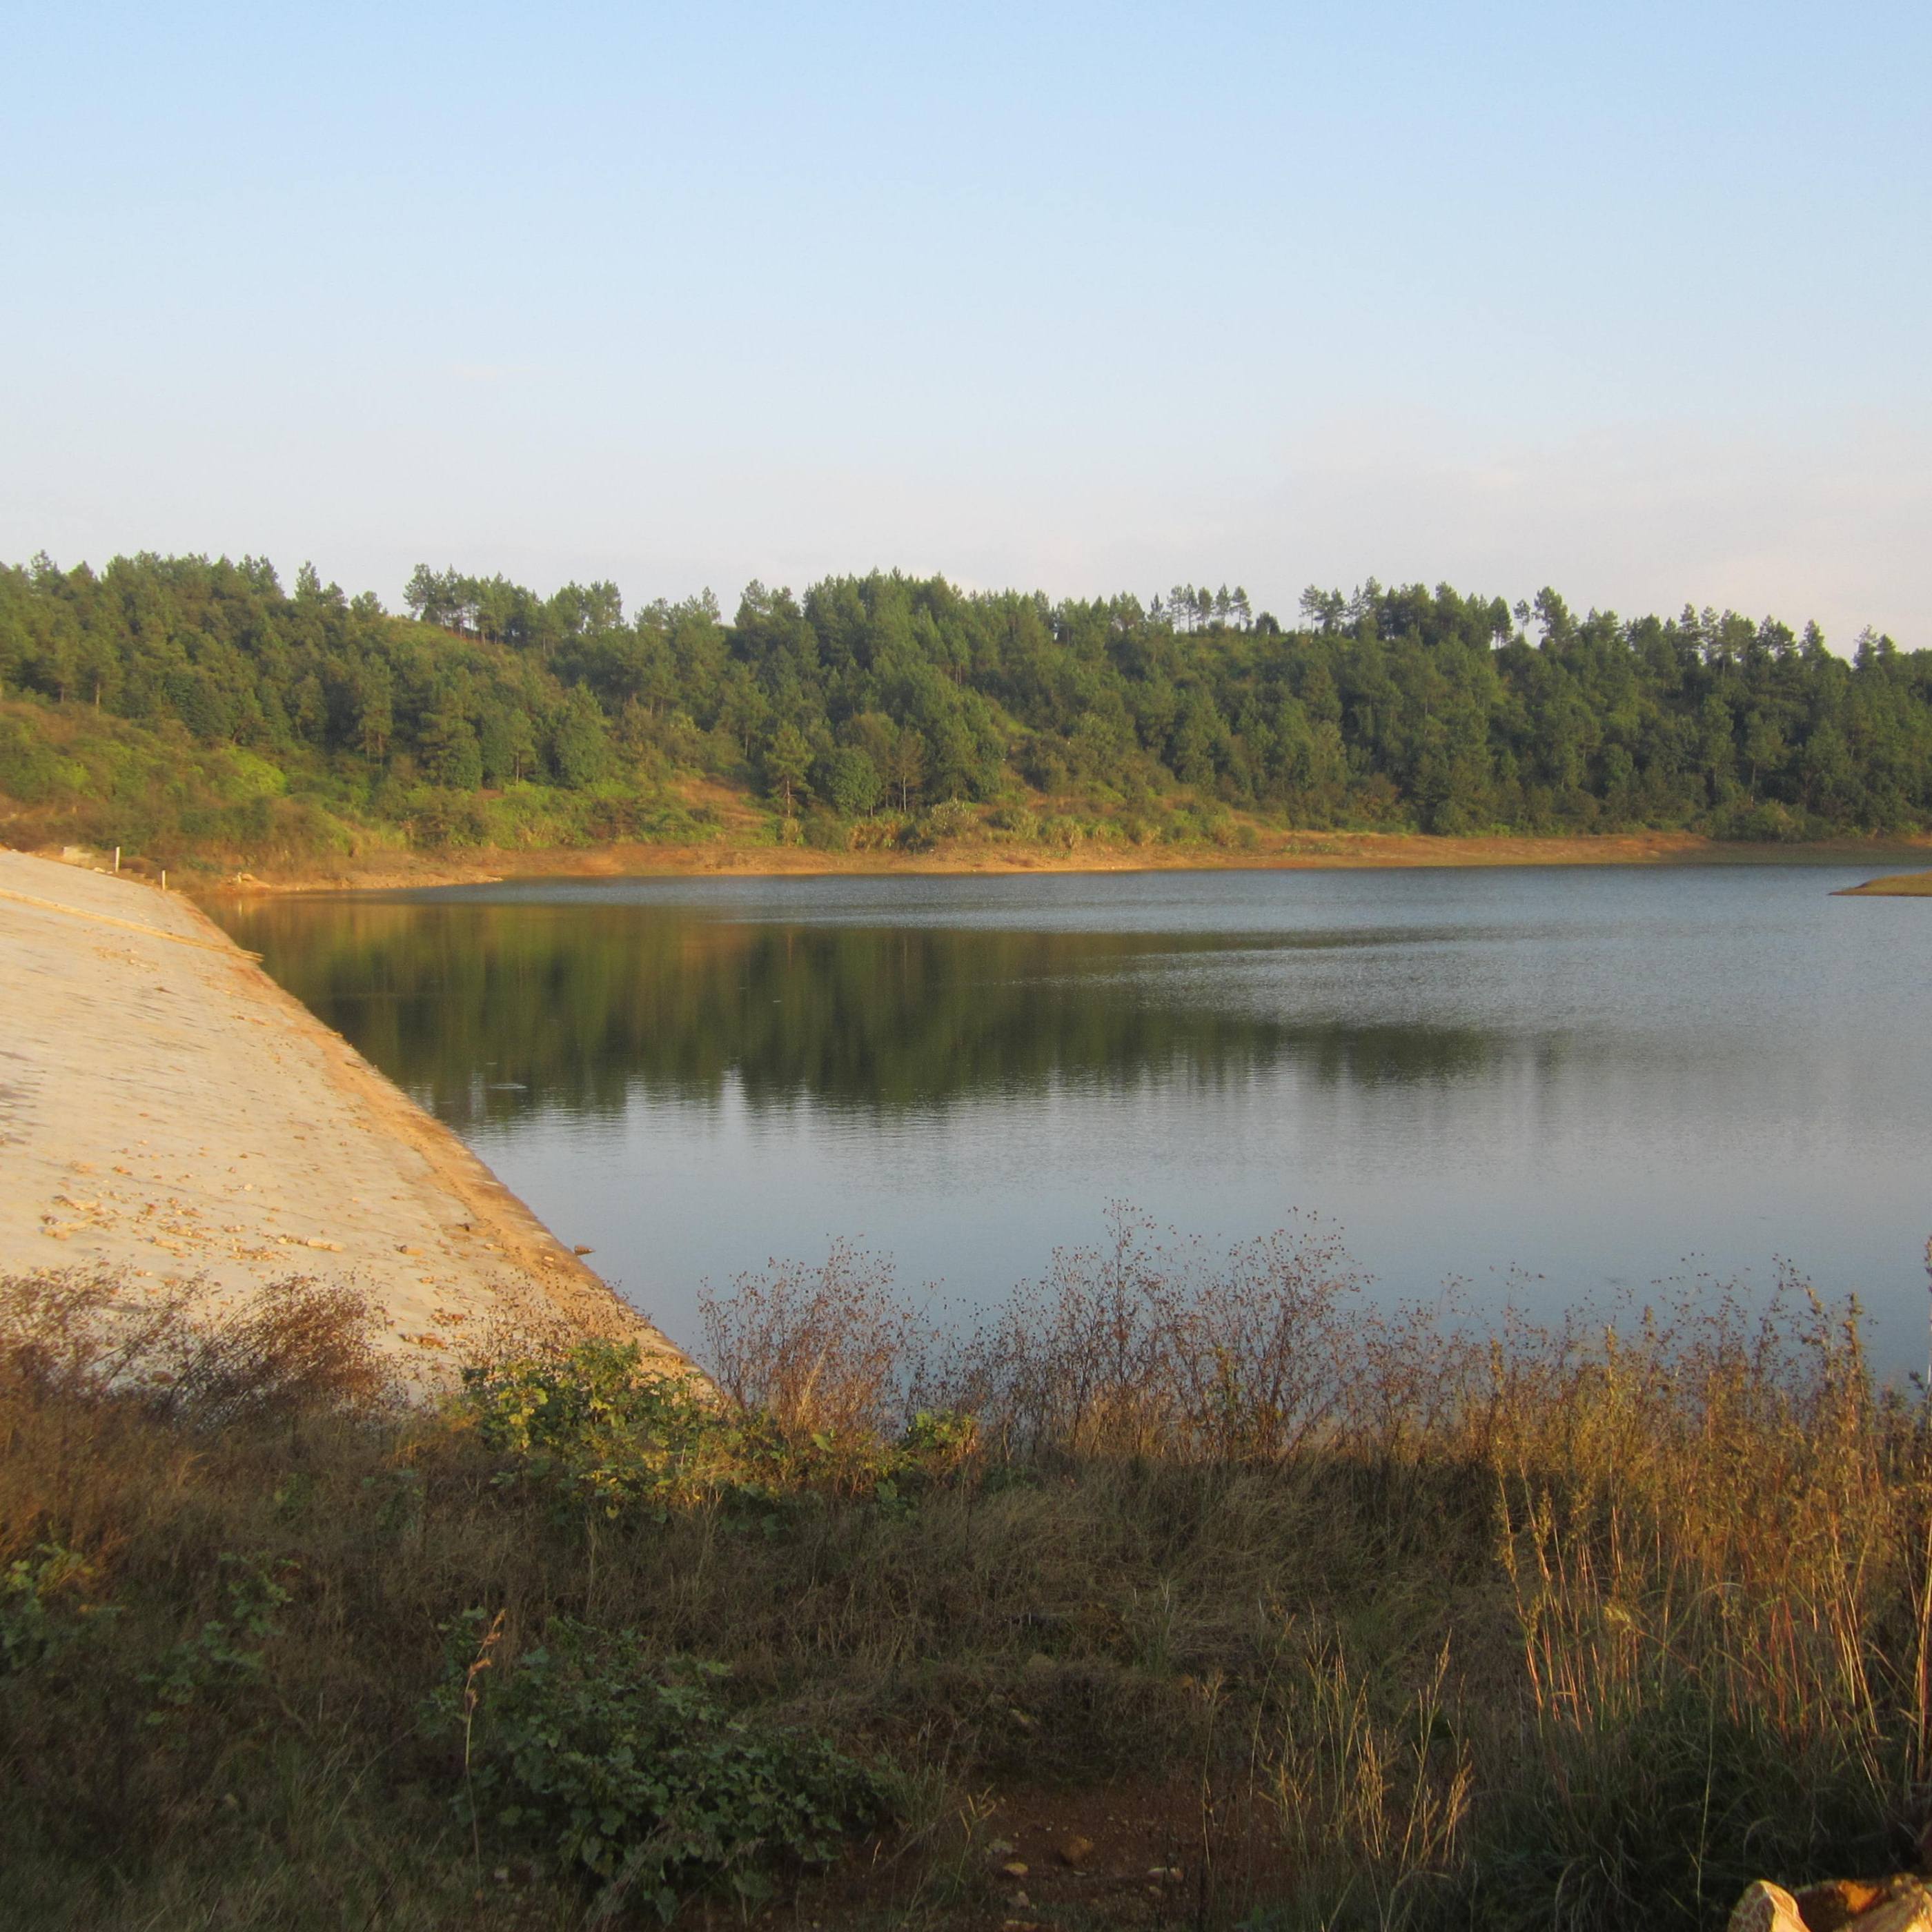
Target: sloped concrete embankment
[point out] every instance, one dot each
(169, 1115)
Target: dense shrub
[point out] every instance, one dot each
(627, 1766)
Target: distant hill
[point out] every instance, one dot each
(175, 704)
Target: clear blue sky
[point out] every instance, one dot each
(1632, 299)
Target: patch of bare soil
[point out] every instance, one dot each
(743, 857)
(1899, 885)
(1149, 1856)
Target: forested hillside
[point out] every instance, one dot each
(165, 701)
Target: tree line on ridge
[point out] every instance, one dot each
(1398, 707)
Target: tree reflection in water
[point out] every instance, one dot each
(486, 1011)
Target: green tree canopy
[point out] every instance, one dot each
(1397, 705)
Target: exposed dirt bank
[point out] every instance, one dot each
(167, 1113)
(382, 871)
(1899, 886)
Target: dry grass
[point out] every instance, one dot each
(1140, 1348)
(1416, 1626)
(299, 1345)
(822, 1348)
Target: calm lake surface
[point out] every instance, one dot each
(1547, 1084)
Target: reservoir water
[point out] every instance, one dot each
(1542, 1084)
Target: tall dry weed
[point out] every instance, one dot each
(1372, 1803)
(1148, 1345)
(828, 1348)
(1715, 1532)
(297, 1344)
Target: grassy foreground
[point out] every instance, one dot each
(1186, 1590)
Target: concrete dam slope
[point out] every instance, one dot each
(170, 1117)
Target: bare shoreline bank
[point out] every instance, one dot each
(1897, 885)
(380, 871)
(171, 1117)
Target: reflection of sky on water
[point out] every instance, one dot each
(1594, 1077)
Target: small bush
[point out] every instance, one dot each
(1142, 1346)
(632, 1769)
(1769, 823)
(227, 1653)
(592, 1422)
(593, 1427)
(821, 1349)
(826, 831)
(299, 1346)
(650, 820)
(878, 835)
(951, 818)
(437, 820)
(43, 1606)
(31, 770)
